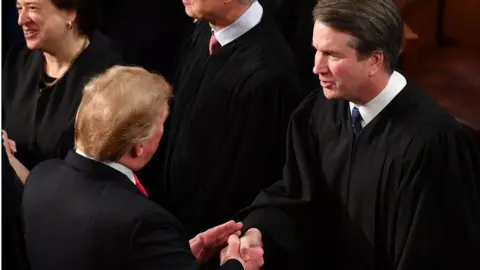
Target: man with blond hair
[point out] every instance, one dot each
(90, 211)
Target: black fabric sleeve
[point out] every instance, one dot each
(282, 211)
(158, 242)
(438, 223)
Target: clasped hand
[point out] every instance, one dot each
(11, 149)
(247, 250)
(10, 145)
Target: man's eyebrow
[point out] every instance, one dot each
(331, 52)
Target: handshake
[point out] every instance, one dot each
(247, 249)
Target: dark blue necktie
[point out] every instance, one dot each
(356, 121)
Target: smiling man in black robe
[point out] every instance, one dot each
(377, 175)
(233, 97)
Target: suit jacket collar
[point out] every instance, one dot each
(99, 170)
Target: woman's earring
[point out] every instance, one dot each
(69, 25)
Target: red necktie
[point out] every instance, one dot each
(214, 45)
(140, 186)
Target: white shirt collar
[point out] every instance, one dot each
(371, 109)
(117, 166)
(247, 21)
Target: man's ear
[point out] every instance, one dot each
(138, 149)
(375, 63)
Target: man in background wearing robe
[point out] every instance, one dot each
(377, 175)
(234, 93)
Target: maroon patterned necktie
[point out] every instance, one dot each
(214, 45)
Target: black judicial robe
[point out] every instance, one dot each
(404, 194)
(225, 137)
(41, 120)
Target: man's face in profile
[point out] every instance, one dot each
(203, 9)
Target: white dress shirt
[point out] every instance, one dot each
(372, 108)
(117, 166)
(247, 21)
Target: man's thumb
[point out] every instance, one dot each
(245, 244)
(233, 246)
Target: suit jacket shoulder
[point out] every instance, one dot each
(94, 217)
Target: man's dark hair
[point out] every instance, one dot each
(374, 24)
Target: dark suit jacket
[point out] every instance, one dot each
(82, 214)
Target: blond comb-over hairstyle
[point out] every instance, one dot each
(119, 108)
